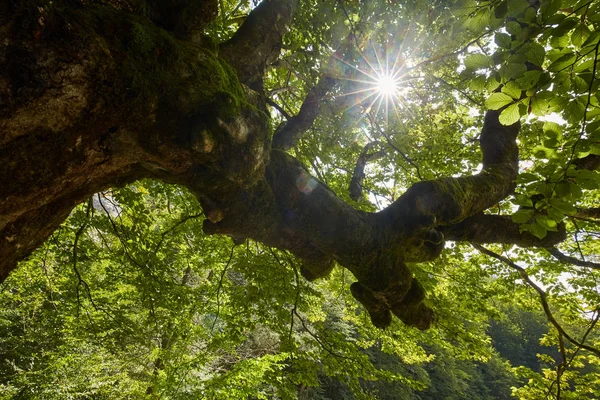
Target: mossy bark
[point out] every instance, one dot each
(92, 96)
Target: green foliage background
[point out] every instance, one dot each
(129, 299)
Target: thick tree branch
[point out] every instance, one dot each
(591, 162)
(488, 228)
(288, 135)
(298, 213)
(448, 201)
(185, 18)
(589, 213)
(572, 260)
(257, 43)
(97, 97)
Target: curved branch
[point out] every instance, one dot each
(591, 162)
(257, 43)
(185, 18)
(488, 228)
(588, 213)
(572, 260)
(288, 135)
(358, 175)
(543, 298)
(449, 201)
(389, 141)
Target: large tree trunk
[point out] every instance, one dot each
(95, 95)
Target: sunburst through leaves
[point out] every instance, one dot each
(376, 81)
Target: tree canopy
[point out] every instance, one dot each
(284, 199)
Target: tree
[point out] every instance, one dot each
(102, 94)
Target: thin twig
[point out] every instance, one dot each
(219, 288)
(542, 295)
(80, 280)
(172, 228)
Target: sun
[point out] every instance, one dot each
(377, 80)
(386, 85)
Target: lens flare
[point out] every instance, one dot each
(376, 80)
(386, 85)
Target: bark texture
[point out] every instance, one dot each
(97, 95)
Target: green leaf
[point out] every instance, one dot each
(576, 192)
(563, 206)
(512, 89)
(510, 115)
(555, 213)
(540, 105)
(477, 61)
(538, 231)
(563, 62)
(527, 177)
(515, 69)
(578, 84)
(536, 54)
(492, 83)
(552, 129)
(501, 10)
(498, 100)
(574, 111)
(516, 7)
(522, 216)
(555, 19)
(477, 83)
(514, 28)
(593, 126)
(529, 79)
(546, 222)
(565, 26)
(502, 40)
(580, 34)
(549, 8)
(522, 200)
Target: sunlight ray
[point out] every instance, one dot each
(353, 67)
(358, 91)
(361, 101)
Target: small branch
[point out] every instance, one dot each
(396, 148)
(118, 235)
(296, 300)
(566, 364)
(471, 99)
(45, 268)
(219, 288)
(591, 162)
(279, 108)
(288, 135)
(319, 341)
(542, 294)
(572, 260)
(358, 175)
(171, 229)
(80, 280)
